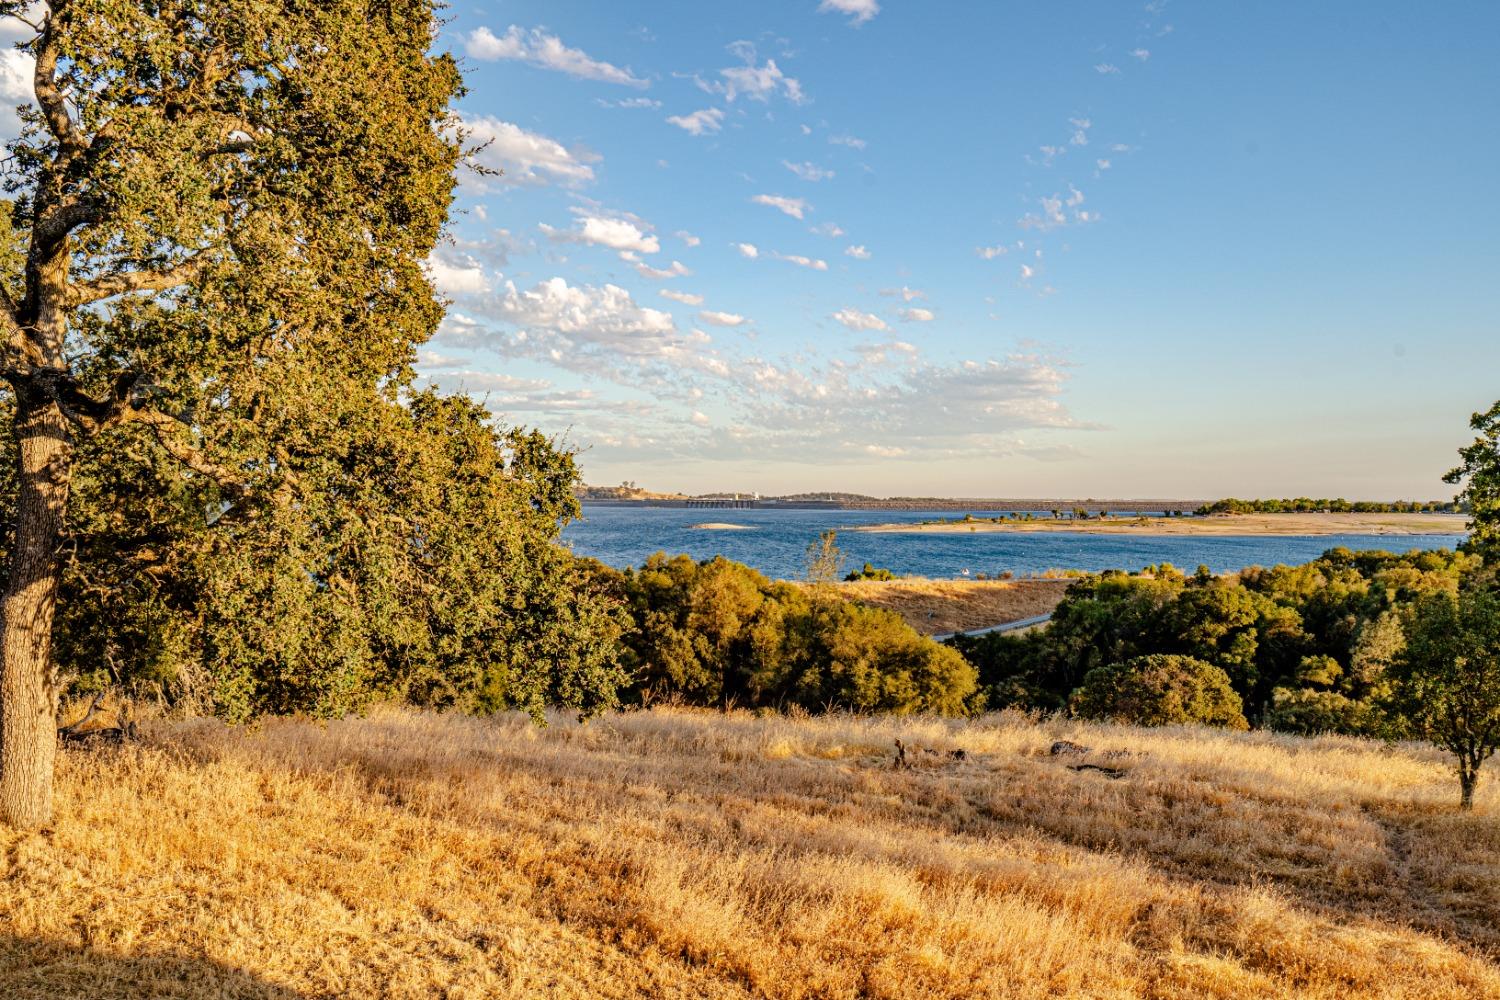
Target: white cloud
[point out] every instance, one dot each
(1027, 272)
(858, 253)
(538, 48)
(917, 315)
(699, 122)
(524, 157)
(1141, 54)
(844, 410)
(747, 250)
(830, 229)
(605, 314)
(847, 140)
(856, 320)
(1102, 164)
(17, 73)
(1054, 212)
(700, 418)
(721, 318)
(687, 237)
(1107, 68)
(809, 262)
(464, 277)
(469, 380)
(758, 83)
(990, 253)
(686, 298)
(795, 207)
(674, 270)
(631, 102)
(808, 171)
(859, 11)
(612, 233)
(906, 294)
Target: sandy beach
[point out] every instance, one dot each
(1215, 524)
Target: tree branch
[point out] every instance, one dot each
(84, 292)
(167, 429)
(70, 213)
(49, 95)
(84, 411)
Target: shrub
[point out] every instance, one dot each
(719, 633)
(870, 573)
(1160, 690)
(1312, 712)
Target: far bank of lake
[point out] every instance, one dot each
(1213, 524)
(775, 541)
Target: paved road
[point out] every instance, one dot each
(1002, 627)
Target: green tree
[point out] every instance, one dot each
(1160, 690)
(1480, 477)
(1446, 683)
(215, 264)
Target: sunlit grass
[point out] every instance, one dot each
(690, 854)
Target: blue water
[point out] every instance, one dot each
(776, 543)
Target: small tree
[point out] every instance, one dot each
(1447, 681)
(1160, 690)
(824, 560)
(1480, 476)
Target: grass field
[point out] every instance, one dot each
(934, 607)
(688, 854)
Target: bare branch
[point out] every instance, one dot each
(84, 292)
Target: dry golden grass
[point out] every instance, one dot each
(687, 854)
(934, 607)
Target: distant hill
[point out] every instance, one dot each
(625, 491)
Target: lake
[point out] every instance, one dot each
(775, 542)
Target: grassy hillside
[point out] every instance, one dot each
(678, 854)
(934, 607)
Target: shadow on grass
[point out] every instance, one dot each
(33, 969)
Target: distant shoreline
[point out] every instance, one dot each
(1215, 524)
(957, 505)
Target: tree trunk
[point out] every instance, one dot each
(28, 680)
(1468, 777)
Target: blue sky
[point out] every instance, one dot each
(1074, 248)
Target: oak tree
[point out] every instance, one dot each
(1446, 682)
(1480, 477)
(219, 212)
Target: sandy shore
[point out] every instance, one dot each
(1217, 524)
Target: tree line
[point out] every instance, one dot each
(1308, 505)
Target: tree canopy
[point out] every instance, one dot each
(1479, 475)
(1446, 682)
(213, 274)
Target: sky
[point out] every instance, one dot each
(1085, 248)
